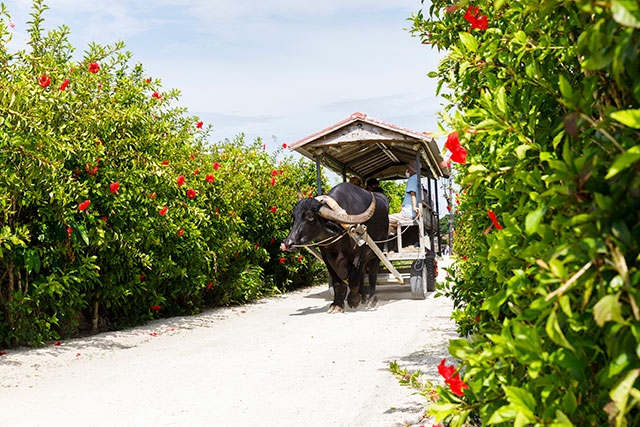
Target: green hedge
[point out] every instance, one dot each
(114, 208)
(545, 96)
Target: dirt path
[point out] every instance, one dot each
(280, 362)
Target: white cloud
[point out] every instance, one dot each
(277, 67)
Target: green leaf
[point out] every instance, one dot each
(555, 333)
(532, 222)
(608, 309)
(502, 415)
(620, 393)
(521, 36)
(626, 12)
(561, 420)
(497, 4)
(565, 87)
(32, 260)
(501, 100)
(469, 42)
(624, 161)
(521, 400)
(629, 118)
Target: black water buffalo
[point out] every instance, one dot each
(322, 220)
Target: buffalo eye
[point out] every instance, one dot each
(310, 217)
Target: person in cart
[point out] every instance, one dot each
(410, 207)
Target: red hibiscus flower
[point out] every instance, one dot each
(446, 371)
(472, 16)
(216, 166)
(156, 308)
(459, 156)
(456, 385)
(156, 95)
(284, 145)
(94, 67)
(199, 125)
(191, 193)
(282, 260)
(458, 152)
(180, 180)
(165, 163)
(180, 232)
(84, 205)
(142, 278)
(494, 219)
(90, 170)
(274, 172)
(153, 195)
(64, 84)
(273, 209)
(453, 143)
(451, 378)
(196, 172)
(44, 80)
(114, 187)
(482, 23)
(210, 285)
(163, 210)
(273, 182)
(210, 178)
(69, 231)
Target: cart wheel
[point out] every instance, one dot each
(430, 260)
(418, 279)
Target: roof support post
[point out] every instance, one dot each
(318, 174)
(435, 187)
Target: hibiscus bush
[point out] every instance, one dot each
(544, 96)
(114, 208)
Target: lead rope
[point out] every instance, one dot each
(326, 242)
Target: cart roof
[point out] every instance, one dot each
(366, 147)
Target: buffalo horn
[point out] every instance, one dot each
(344, 218)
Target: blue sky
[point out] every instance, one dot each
(277, 69)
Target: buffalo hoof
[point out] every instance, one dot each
(354, 301)
(335, 309)
(372, 303)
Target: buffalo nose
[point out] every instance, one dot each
(283, 246)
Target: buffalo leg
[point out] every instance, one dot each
(356, 280)
(339, 293)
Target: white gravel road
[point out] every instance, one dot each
(282, 361)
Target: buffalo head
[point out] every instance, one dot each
(319, 218)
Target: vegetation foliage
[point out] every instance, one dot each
(545, 96)
(114, 209)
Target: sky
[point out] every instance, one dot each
(277, 69)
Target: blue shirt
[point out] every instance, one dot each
(412, 186)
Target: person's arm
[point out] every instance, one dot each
(414, 203)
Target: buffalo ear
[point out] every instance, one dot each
(300, 195)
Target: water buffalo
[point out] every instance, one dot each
(321, 221)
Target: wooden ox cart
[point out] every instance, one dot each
(368, 148)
